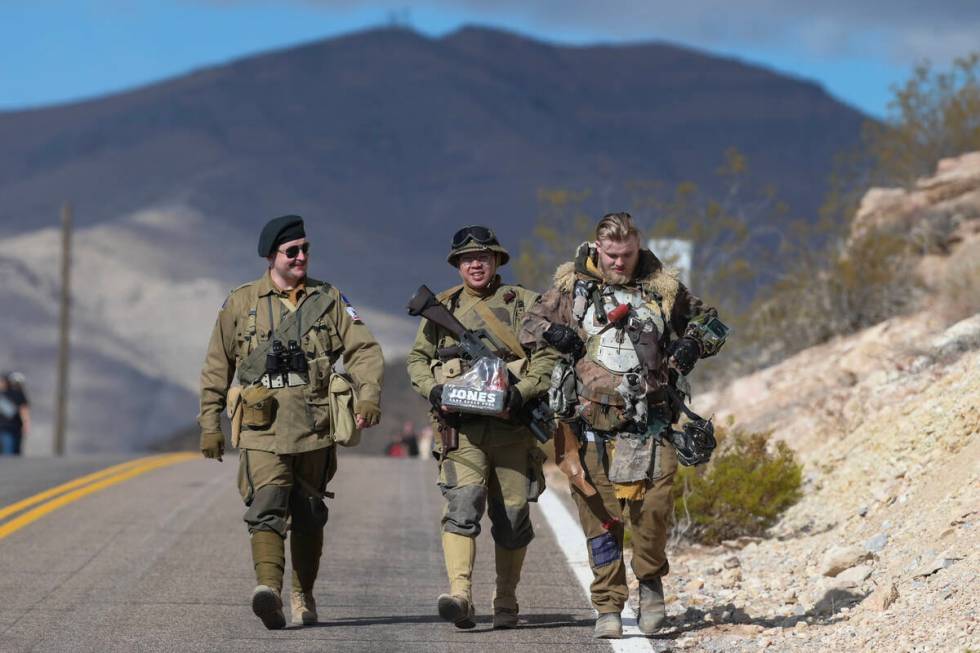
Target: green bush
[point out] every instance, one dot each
(742, 491)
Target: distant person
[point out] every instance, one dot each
(410, 440)
(283, 333)
(395, 448)
(15, 414)
(486, 463)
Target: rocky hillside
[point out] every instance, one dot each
(881, 553)
(142, 311)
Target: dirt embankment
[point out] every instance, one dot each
(881, 553)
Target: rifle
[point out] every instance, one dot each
(473, 345)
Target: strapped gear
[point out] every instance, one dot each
(709, 332)
(696, 442)
(476, 239)
(254, 365)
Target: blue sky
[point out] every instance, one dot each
(62, 50)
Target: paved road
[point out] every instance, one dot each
(160, 562)
(23, 477)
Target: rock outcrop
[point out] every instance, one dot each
(881, 553)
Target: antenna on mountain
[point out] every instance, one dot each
(401, 17)
(61, 400)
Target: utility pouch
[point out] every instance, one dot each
(319, 512)
(448, 369)
(258, 406)
(233, 403)
(448, 439)
(603, 417)
(342, 399)
(518, 367)
(562, 396)
(631, 459)
(535, 472)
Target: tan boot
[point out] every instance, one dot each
(304, 550)
(608, 625)
(303, 608)
(509, 563)
(268, 558)
(457, 606)
(267, 606)
(653, 614)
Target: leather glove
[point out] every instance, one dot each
(435, 397)
(213, 445)
(515, 401)
(683, 354)
(369, 411)
(565, 340)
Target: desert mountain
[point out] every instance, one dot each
(386, 141)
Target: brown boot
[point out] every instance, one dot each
(509, 563)
(268, 558)
(457, 605)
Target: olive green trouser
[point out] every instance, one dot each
(497, 478)
(501, 479)
(650, 518)
(282, 493)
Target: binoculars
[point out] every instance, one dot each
(285, 366)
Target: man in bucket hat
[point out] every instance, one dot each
(494, 464)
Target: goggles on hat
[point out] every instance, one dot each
(294, 250)
(476, 233)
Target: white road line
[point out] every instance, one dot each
(567, 531)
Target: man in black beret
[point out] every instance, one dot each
(282, 334)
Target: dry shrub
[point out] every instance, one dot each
(871, 280)
(742, 491)
(958, 291)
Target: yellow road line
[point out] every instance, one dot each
(6, 511)
(146, 465)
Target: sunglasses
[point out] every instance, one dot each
(294, 250)
(476, 233)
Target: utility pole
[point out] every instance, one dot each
(61, 397)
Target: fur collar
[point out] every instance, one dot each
(651, 273)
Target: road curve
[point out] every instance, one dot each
(160, 562)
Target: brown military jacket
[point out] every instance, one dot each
(301, 414)
(509, 304)
(665, 294)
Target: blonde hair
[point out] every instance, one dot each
(617, 227)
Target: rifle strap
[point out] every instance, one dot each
(315, 305)
(466, 463)
(679, 401)
(503, 334)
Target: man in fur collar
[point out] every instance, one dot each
(622, 320)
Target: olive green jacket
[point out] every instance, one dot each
(509, 304)
(301, 417)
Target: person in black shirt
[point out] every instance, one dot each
(15, 416)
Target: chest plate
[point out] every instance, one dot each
(611, 348)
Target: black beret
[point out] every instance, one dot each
(280, 230)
